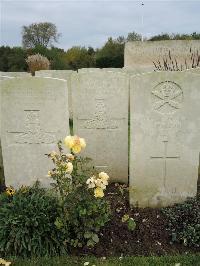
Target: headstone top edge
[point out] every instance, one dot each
(32, 78)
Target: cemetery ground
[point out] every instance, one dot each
(186, 260)
(148, 242)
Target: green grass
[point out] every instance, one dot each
(186, 260)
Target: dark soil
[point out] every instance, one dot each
(149, 238)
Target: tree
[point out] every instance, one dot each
(55, 55)
(39, 34)
(175, 36)
(80, 57)
(133, 36)
(12, 59)
(111, 54)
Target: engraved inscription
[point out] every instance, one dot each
(31, 93)
(167, 97)
(164, 158)
(100, 120)
(168, 125)
(33, 133)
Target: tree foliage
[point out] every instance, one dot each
(42, 34)
(12, 59)
(133, 36)
(111, 54)
(56, 56)
(79, 57)
(175, 36)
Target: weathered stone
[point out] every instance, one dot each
(15, 74)
(83, 70)
(165, 138)
(90, 69)
(194, 70)
(143, 55)
(2, 77)
(100, 108)
(60, 74)
(34, 117)
(1, 158)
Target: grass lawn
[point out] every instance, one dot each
(190, 260)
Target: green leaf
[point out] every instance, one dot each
(90, 243)
(87, 235)
(95, 238)
(131, 224)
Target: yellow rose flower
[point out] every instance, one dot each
(76, 148)
(70, 157)
(91, 182)
(10, 191)
(100, 183)
(49, 174)
(98, 192)
(53, 154)
(24, 189)
(83, 143)
(4, 262)
(69, 141)
(75, 143)
(104, 176)
(69, 167)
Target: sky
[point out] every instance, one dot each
(91, 22)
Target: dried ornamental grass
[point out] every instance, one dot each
(37, 62)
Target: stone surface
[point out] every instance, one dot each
(93, 69)
(165, 138)
(100, 108)
(15, 74)
(60, 74)
(141, 55)
(36, 119)
(2, 77)
(195, 70)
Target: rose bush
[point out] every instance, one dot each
(83, 210)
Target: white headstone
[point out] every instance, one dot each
(165, 138)
(1, 158)
(15, 74)
(34, 117)
(2, 77)
(61, 74)
(100, 108)
(194, 70)
(141, 56)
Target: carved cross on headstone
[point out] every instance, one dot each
(33, 133)
(165, 157)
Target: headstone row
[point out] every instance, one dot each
(164, 128)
